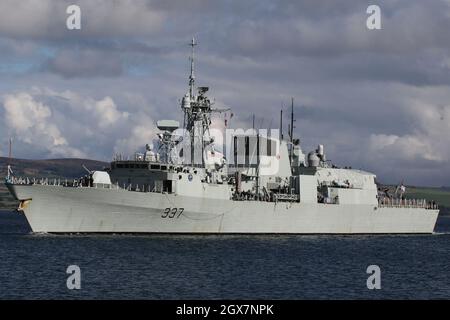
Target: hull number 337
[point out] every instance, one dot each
(172, 213)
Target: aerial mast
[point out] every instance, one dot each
(197, 113)
(292, 119)
(10, 150)
(291, 133)
(192, 76)
(281, 123)
(9, 173)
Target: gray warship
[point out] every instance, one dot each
(260, 184)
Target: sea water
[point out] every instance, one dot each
(33, 266)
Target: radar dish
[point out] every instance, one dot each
(167, 125)
(202, 90)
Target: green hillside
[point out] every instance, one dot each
(52, 168)
(440, 195)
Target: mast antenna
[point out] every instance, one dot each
(291, 133)
(10, 150)
(192, 75)
(281, 123)
(10, 172)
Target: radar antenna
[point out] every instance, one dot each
(192, 75)
(9, 170)
(10, 150)
(197, 109)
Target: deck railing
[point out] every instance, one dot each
(407, 203)
(80, 183)
(77, 183)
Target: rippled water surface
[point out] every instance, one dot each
(221, 267)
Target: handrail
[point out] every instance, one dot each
(76, 183)
(407, 203)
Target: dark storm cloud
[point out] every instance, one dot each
(94, 58)
(86, 63)
(46, 19)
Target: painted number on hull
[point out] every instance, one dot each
(172, 212)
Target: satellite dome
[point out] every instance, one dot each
(313, 159)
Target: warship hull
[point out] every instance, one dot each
(58, 209)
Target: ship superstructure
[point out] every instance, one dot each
(262, 183)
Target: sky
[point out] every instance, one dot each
(379, 100)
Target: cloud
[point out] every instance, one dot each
(141, 134)
(46, 19)
(107, 112)
(69, 124)
(22, 111)
(403, 148)
(30, 120)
